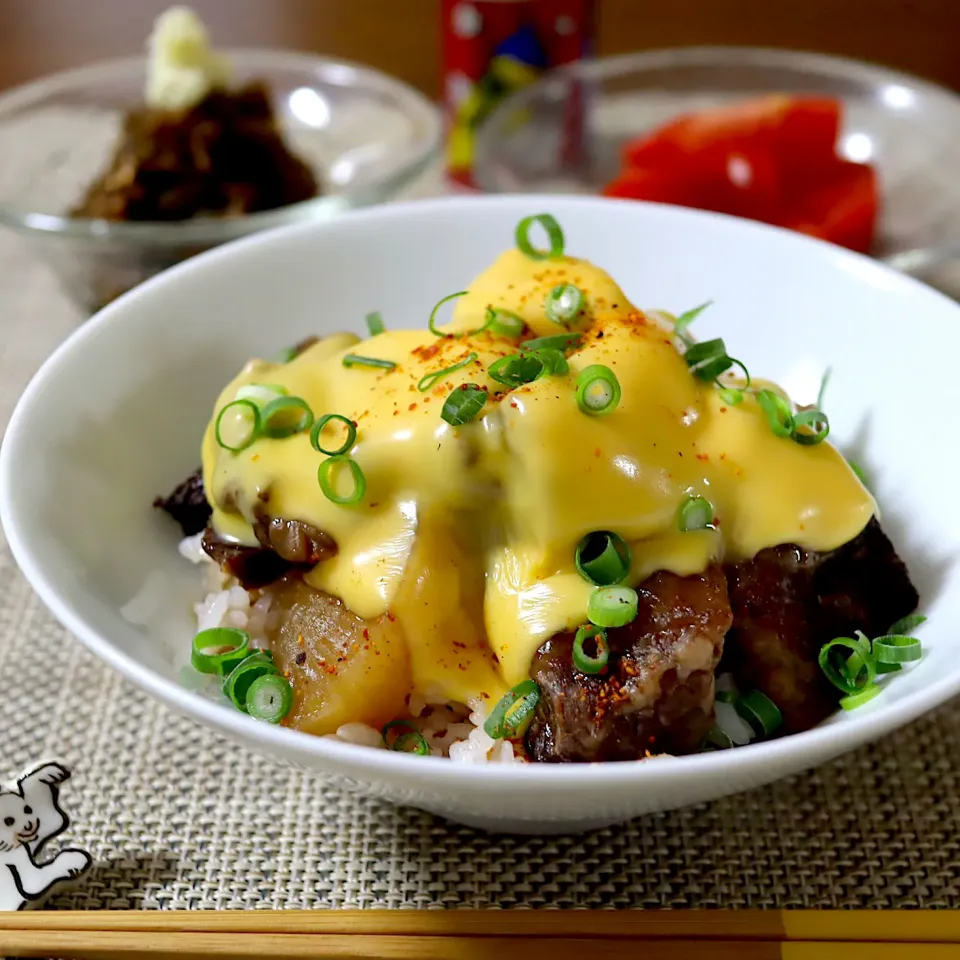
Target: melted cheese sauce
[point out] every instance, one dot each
(467, 534)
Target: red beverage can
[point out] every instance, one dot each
(492, 48)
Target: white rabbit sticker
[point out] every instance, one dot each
(30, 815)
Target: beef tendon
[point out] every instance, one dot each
(656, 695)
(788, 602)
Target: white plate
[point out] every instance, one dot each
(115, 417)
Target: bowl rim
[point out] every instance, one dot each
(211, 230)
(754, 761)
(605, 68)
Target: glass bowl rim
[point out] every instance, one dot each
(211, 230)
(606, 68)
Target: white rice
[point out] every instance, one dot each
(450, 729)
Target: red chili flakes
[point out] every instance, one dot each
(426, 399)
(597, 452)
(412, 407)
(427, 352)
(366, 634)
(723, 456)
(723, 409)
(396, 413)
(703, 456)
(376, 503)
(390, 616)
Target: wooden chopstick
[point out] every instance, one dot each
(482, 935)
(913, 926)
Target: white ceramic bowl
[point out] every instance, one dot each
(115, 417)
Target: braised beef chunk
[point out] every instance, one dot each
(787, 602)
(252, 566)
(294, 540)
(657, 692)
(187, 505)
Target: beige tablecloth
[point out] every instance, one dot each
(177, 818)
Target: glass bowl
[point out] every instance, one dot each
(366, 135)
(564, 133)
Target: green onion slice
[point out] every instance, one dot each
(849, 674)
(238, 425)
(907, 623)
(327, 479)
(719, 739)
(726, 696)
(557, 341)
(426, 382)
(355, 360)
(554, 362)
(318, 429)
(433, 313)
(696, 513)
(858, 699)
(612, 606)
(504, 322)
(861, 475)
(375, 323)
(778, 412)
(603, 558)
(760, 712)
(584, 661)
(816, 427)
(554, 235)
(598, 390)
(895, 648)
(237, 683)
(709, 359)
(463, 404)
(269, 698)
(261, 393)
(563, 303)
(219, 649)
(731, 395)
(285, 355)
(516, 370)
(824, 382)
(685, 319)
(285, 416)
(511, 716)
(410, 742)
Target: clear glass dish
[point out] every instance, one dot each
(564, 133)
(366, 135)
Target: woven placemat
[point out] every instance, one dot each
(178, 818)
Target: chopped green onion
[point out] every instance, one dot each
(557, 341)
(685, 319)
(858, 699)
(696, 513)
(590, 663)
(612, 606)
(238, 425)
(563, 303)
(760, 712)
(554, 362)
(892, 648)
(598, 390)
(848, 674)
(514, 711)
(410, 742)
(516, 370)
(375, 323)
(504, 322)
(286, 416)
(355, 360)
(709, 359)
(824, 381)
(726, 696)
(554, 235)
(426, 382)
(219, 649)
(432, 325)
(731, 395)
(261, 393)
(285, 355)
(319, 426)
(269, 698)
(719, 738)
(859, 471)
(779, 414)
(237, 683)
(463, 404)
(327, 483)
(603, 558)
(906, 624)
(816, 425)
